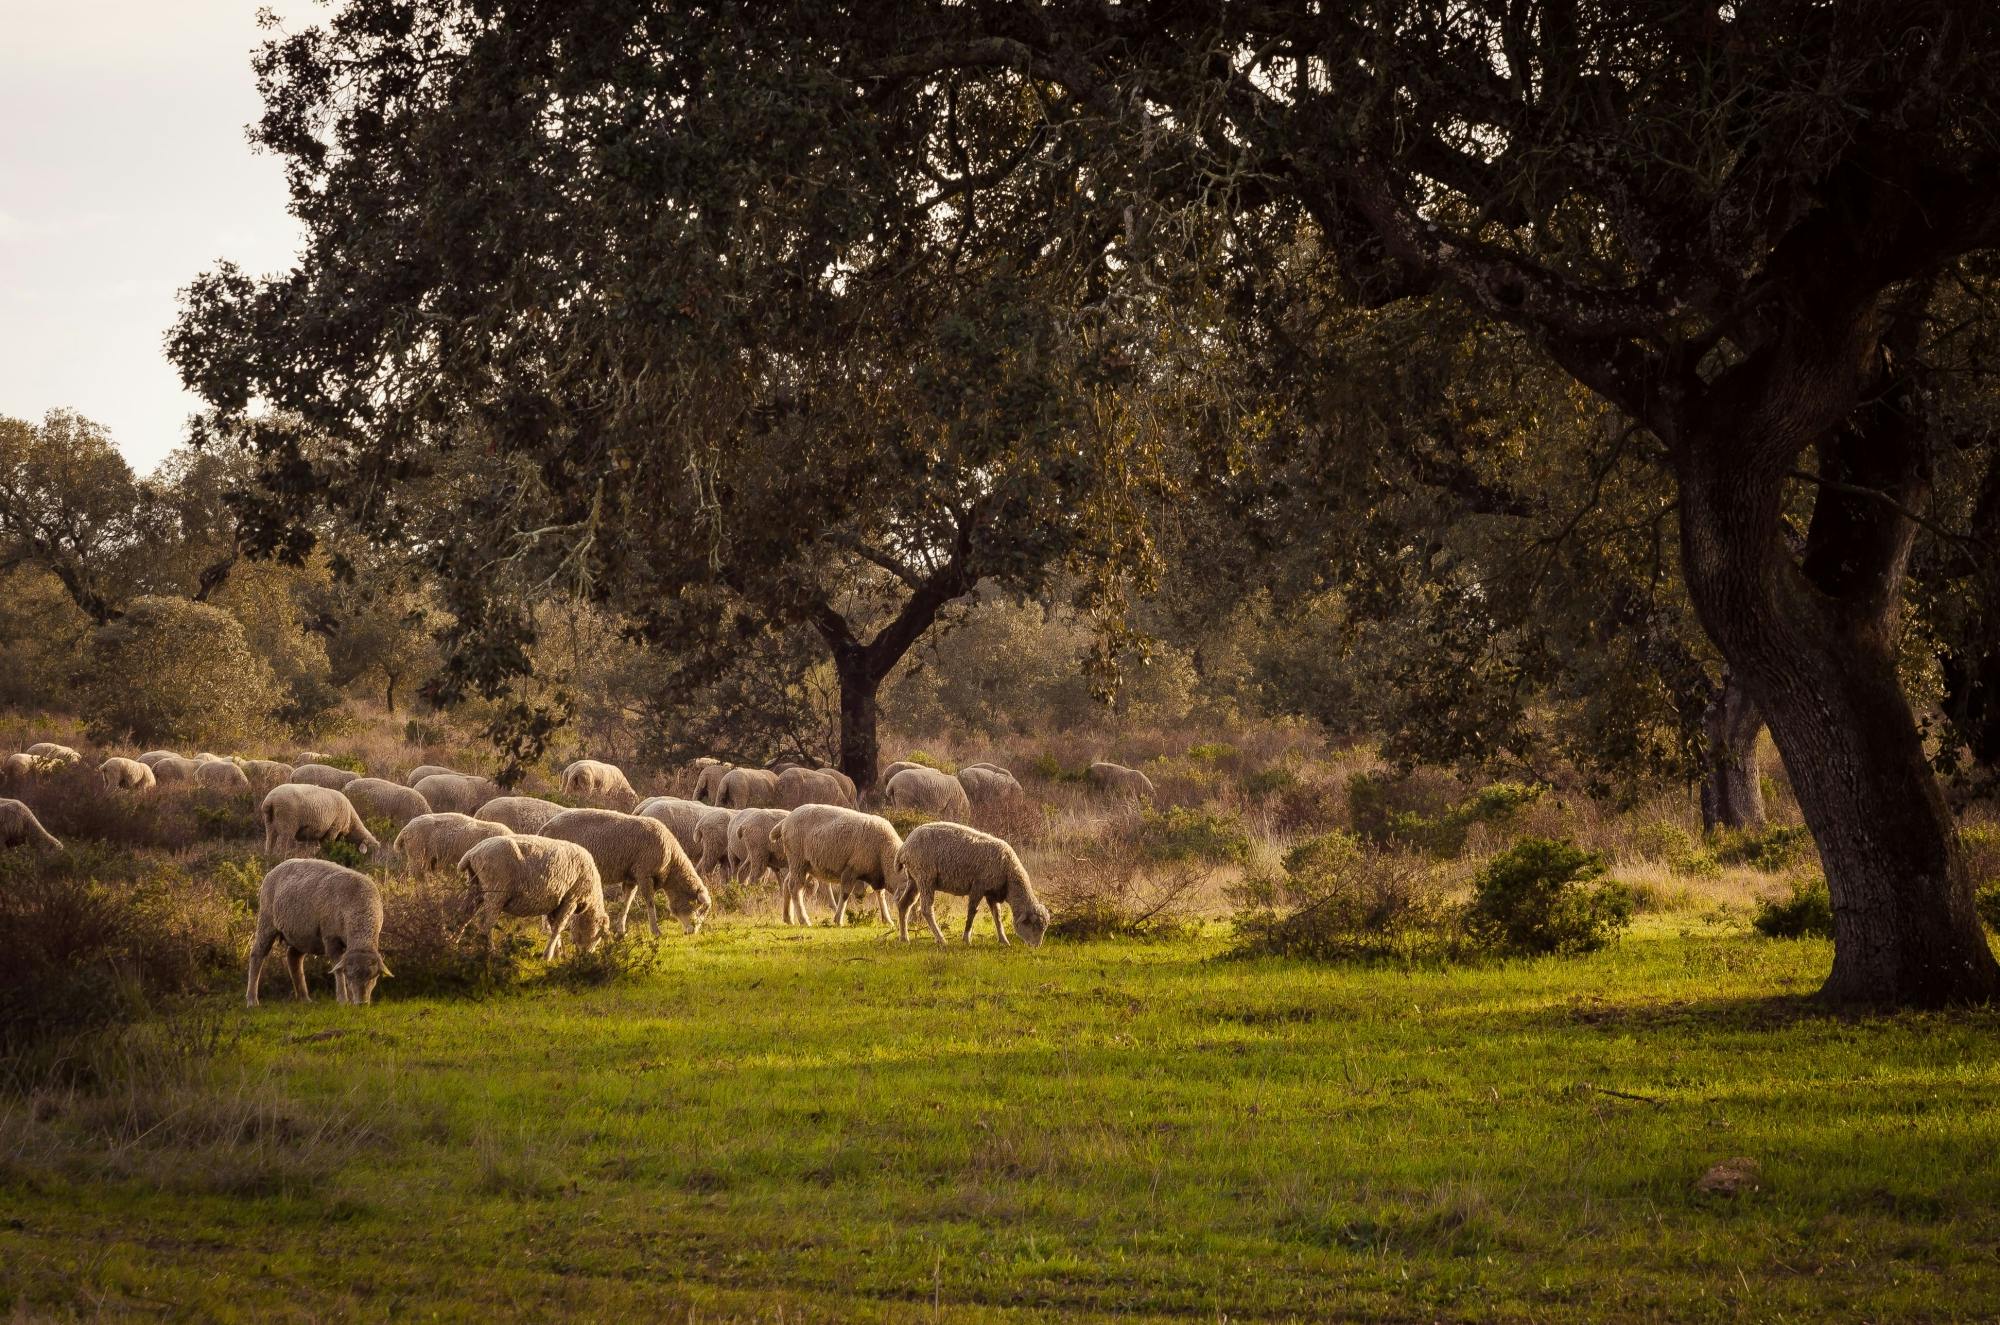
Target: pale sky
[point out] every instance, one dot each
(124, 171)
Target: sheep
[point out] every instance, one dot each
(895, 768)
(523, 814)
(986, 785)
(599, 783)
(24, 765)
(50, 750)
(750, 849)
(525, 875)
(711, 837)
(640, 853)
(152, 757)
(325, 910)
(422, 771)
(846, 783)
(321, 775)
(813, 786)
(850, 850)
(206, 758)
(929, 791)
(298, 812)
(962, 861)
(382, 799)
(436, 841)
(463, 792)
(265, 774)
(20, 827)
(125, 775)
(1121, 781)
(311, 757)
(708, 780)
(682, 818)
(221, 775)
(745, 787)
(174, 770)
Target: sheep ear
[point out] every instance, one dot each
(387, 974)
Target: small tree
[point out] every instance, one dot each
(173, 670)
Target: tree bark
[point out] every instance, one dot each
(1813, 640)
(1732, 793)
(859, 745)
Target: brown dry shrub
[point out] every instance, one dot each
(1118, 894)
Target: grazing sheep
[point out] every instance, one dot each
(708, 780)
(436, 841)
(850, 850)
(380, 798)
(895, 768)
(299, 812)
(986, 785)
(813, 786)
(463, 792)
(125, 775)
(525, 875)
(745, 787)
(175, 770)
(930, 792)
(682, 818)
(50, 750)
(641, 854)
(206, 758)
(324, 910)
(523, 814)
(221, 775)
(750, 849)
(152, 757)
(18, 765)
(847, 784)
(265, 774)
(711, 839)
(422, 771)
(599, 783)
(20, 827)
(321, 775)
(1121, 781)
(964, 862)
(311, 757)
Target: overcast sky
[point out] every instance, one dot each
(124, 172)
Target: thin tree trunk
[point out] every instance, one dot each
(1732, 794)
(389, 694)
(859, 748)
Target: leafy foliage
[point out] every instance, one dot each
(1806, 911)
(1338, 901)
(1545, 897)
(174, 670)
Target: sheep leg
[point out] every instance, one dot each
(999, 930)
(295, 961)
(930, 914)
(333, 955)
(558, 921)
(260, 954)
(971, 914)
(652, 906)
(882, 905)
(903, 905)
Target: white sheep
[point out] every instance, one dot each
(321, 775)
(711, 839)
(221, 775)
(152, 757)
(50, 750)
(463, 792)
(523, 814)
(849, 850)
(24, 765)
(1121, 781)
(379, 798)
(125, 775)
(987, 786)
(321, 909)
(422, 771)
(206, 758)
(708, 780)
(265, 774)
(299, 812)
(745, 787)
(930, 792)
(175, 771)
(682, 818)
(599, 783)
(964, 862)
(846, 783)
(813, 786)
(436, 841)
(895, 768)
(20, 827)
(640, 853)
(526, 875)
(750, 849)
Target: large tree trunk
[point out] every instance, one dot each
(1732, 793)
(859, 747)
(1813, 640)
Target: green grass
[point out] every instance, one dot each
(818, 1127)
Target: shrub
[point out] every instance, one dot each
(1541, 896)
(1380, 817)
(1179, 833)
(1769, 850)
(1211, 752)
(173, 670)
(1987, 899)
(931, 761)
(1269, 781)
(1337, 901)
(1806, 912)
(421, 920)
(1051, 769)
(1115, 896)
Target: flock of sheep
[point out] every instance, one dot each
(528, 857)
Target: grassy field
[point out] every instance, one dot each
(776, 1126)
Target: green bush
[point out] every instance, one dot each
(170, 670)
(1987, 899)
(1546, 897)
(1806, 912)
(1372, 801)
(905, 819)
(1051, 769)
(1210, 752)
(1769, 850)
(1181, 833)
(1337, 901)
(931, 761)
(1269, 781)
